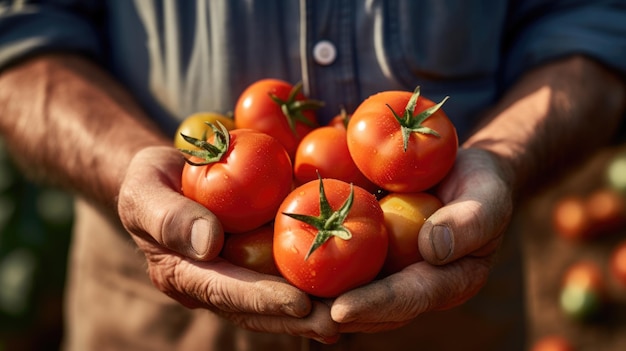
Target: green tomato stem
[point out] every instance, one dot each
(293, 109)
(329, 223)
(209, 153)
(411, 123)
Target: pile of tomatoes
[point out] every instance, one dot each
(593, 282)
(328, 207)
(597, 217)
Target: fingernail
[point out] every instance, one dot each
(200, 236)
(441, 241)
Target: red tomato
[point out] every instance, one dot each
(606, 209)
(570, 218)
(552, 343)
(329, 237)
(405, 213)
(401, 141)
(325, 150)
(277, 108)
(618, 263)
(244, 183)
(252, 250)
(341, 120)
(585, 274)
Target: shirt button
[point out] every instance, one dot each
(324, 53)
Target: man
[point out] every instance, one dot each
(90, 93)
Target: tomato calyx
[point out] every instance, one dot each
(292, 108)
(329, 223)
(209, 153)
(344, 116)
(413, 124)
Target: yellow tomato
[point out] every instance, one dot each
(405, 213)
(195, 126)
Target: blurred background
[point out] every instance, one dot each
(35, 224)
(574, 249)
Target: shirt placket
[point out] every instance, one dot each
(328, 58)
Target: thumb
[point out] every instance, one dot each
(457, 230)
(478, 209)
(151, 206)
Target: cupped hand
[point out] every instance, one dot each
(182, 240)
(458, 243)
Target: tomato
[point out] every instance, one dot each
(279, 109)
(617, 263)
(401, 141)
(252, 250)
(195, 126)
(580, 303)
(405, 213)
(585, 274)
(577, 217)
(329, 237)
(325, 150)
(341, 120)
(616, 171)
(583, 291)
(242, 178)
(552, 343)
(570, 218)
(606, 209)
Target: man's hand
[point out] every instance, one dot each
(182, 240)
(538, 121)
(458, 243)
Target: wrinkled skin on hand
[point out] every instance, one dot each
(182, 240)
(478, 207)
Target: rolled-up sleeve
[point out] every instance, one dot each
(550, 30)
(27, 29)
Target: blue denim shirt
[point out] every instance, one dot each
(180, 57)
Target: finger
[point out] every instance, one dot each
(418, 288)
(459, 229)
(150, 205)
(317, 325)
(478, 209)
(222, 287)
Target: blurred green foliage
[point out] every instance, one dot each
(35, 226)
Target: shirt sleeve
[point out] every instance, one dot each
(27, 29)
(546, 30)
